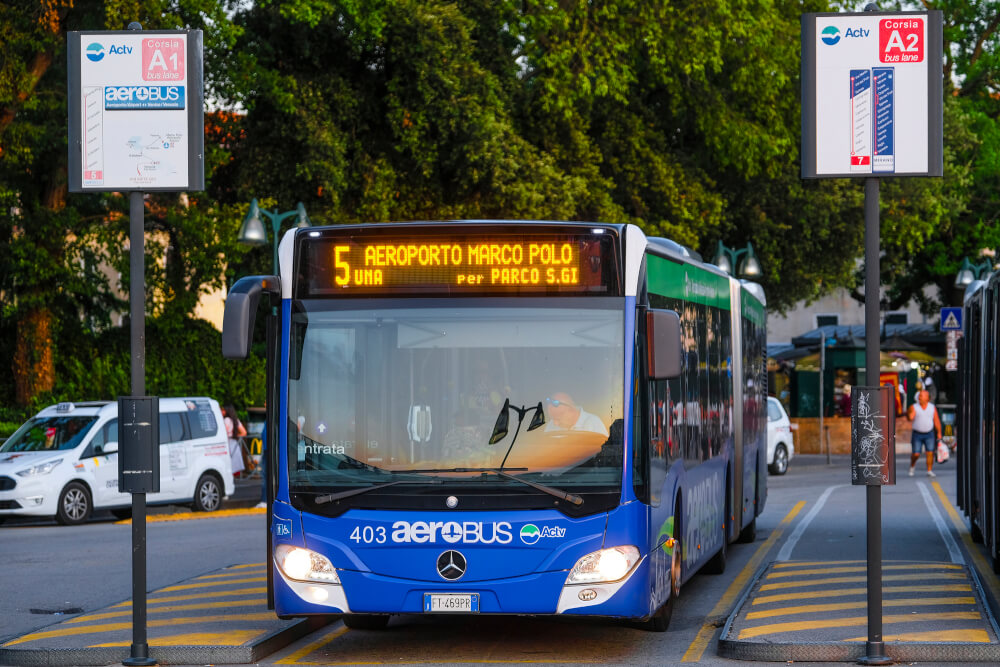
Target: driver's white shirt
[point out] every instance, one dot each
(585, 422)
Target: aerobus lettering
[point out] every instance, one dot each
(468, 532)
(703, 519)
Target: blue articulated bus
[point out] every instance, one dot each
(482, 417)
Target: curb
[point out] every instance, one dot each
(176, 655)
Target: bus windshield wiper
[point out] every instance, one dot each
(331, 497)
(552, 491)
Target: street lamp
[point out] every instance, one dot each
(253, 231)
(727, 260)
(970, 271)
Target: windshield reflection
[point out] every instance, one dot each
(48, 434)
(379, 392)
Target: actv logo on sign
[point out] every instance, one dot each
(901, 40)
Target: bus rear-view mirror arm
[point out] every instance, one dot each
(241, 308)
(663, 340)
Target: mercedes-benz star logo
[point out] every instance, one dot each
(451, 565)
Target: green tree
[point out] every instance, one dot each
(51, 254)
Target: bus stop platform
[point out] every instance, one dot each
(817, 612)
(217, 618)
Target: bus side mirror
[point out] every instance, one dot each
(663, 340)
(241, 307)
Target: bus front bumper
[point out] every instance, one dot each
(544, 593)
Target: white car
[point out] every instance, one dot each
(63, 462)
(780, 445)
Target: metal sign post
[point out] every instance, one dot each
(875, 653)
(136, 124)
(872, 106)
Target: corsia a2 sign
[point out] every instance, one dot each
(872, 86)
(136, 111)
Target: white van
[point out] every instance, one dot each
(63, 462)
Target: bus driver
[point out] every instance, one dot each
(566, 415)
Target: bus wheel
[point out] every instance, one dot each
(366, 621)
(74, 505)
(748, 534)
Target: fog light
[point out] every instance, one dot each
(587, 594)
(317, 594)
(35, 500)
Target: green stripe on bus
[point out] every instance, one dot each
(752, 309)
(686, 281)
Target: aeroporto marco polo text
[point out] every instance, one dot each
(465, 264)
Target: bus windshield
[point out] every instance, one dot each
(405, 395)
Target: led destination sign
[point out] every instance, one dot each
(496, 261)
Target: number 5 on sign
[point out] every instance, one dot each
(163, 59)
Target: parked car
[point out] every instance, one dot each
(63, 462)
(780, 444)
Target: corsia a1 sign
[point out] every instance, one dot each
(872, 87)
(136, 111)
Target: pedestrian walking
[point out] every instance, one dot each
(926, 425)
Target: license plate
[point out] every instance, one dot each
(451, 603)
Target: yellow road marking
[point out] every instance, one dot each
(811, 563)
(197, 596)
(840, 606)
(227, 575)
(966, 635)
(206, 584)
(863, 568)
(228, 604)
(187, 516)
(64, 631)
(329, 636)
(245, 565)
(856, 621)
(228, 638)
(985, 570)
(700, 643)
(841, 592)
(857, 580)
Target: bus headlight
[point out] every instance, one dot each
(39, 469)
(305, 565)
(604, 566)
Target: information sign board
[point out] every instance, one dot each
(872, 94)
(136, 111)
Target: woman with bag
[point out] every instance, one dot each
(234, 431)
(926, 424)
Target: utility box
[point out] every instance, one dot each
(139, 444)
(873, 436)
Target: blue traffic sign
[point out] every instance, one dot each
(951, 319)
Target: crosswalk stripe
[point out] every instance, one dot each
(953, 576)
(197, 596)
(68, 631)
(843, 592)
(862, 604)
(856, 621)
(843, 570)
(165, 609)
